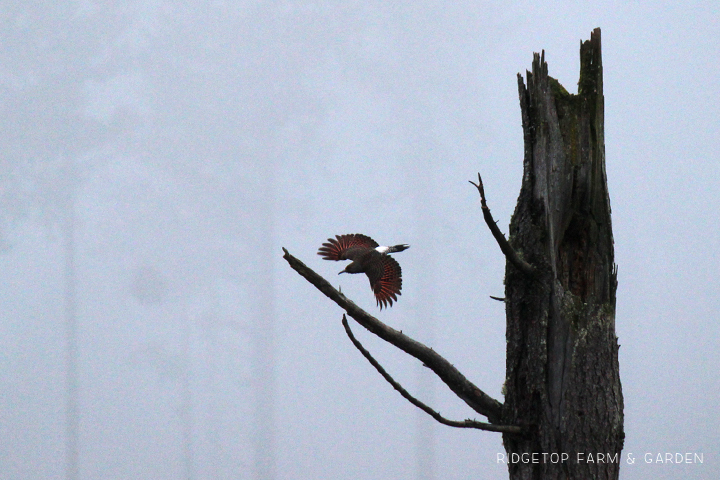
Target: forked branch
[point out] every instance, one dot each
(436, 415)
(456, 381)
(507, 250)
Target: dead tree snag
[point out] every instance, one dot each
(563, 379)
(563, 412)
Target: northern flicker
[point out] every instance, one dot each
(369, 258)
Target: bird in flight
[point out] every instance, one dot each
(369, 258)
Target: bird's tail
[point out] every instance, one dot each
(398, 248)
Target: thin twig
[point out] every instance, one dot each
(507, 250)
(436, 415)
(453, 378)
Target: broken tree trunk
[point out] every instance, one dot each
(563, 381)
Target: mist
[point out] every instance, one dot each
(157, 156)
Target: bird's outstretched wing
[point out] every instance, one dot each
(343, 247)
(385, 280)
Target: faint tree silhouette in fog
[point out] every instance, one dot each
(51, 53)
(257, 54)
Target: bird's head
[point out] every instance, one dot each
(353, 267)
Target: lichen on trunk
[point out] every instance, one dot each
(562, 379)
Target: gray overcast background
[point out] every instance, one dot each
(182, 144)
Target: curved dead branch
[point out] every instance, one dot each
(467, 423)
(456, 381)
(507, 250)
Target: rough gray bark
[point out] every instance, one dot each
(563, 380)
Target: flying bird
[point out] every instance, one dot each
(369, 258)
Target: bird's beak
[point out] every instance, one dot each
(343, 271)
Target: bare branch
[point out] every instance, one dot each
(507, 250)
(456, 381)
(436, 415)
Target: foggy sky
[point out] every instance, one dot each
(192, 141)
